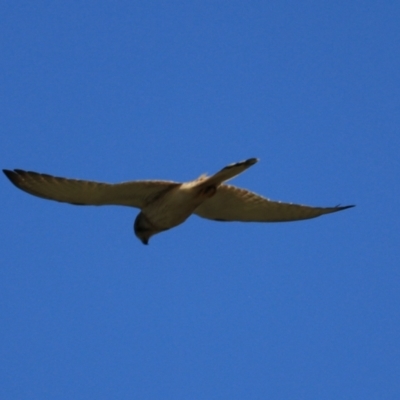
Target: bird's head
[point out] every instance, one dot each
(143, 228)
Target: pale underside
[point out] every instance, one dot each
(229, 203)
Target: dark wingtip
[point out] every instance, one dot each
(248, 162)
(252, 161)
(340, 208)
(11, 175)
(8, 172)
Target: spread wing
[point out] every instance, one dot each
(231, 203)
(79, 192)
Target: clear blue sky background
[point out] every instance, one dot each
(123, 90)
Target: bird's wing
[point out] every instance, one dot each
(80, 192)
(229, 172)
(234, 204)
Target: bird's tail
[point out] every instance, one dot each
(229, 172)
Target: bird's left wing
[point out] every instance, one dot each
(80, 192)
(231, 203)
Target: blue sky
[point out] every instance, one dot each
(116, 91)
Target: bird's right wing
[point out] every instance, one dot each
(228, 172)
(80, 192)
(231, 203)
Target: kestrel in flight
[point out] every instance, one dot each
(166, 204)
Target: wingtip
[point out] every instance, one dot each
(9, 174)
(247, 163)
(252, 161)
(340, 208)
(13, 177)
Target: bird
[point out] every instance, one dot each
(166, 204)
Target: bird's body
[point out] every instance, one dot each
(170, 210)
(166, 204)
